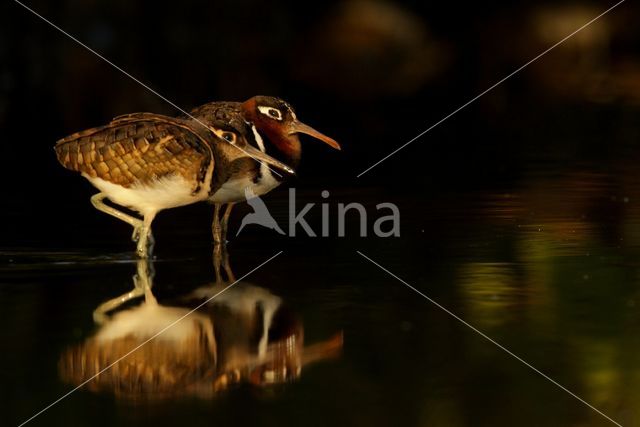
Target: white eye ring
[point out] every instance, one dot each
(272, 113)
(228, 136)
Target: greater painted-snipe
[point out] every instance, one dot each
(275, 130)
(150, 162)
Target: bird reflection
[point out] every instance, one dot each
(244, 335)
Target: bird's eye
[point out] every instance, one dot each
(229, 136)
(273, 113)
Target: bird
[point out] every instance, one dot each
(150, 162)
(275, 129)
(260, 214)
(198, 344)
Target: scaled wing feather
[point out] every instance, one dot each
(137, 149)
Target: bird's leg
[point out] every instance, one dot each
(142, 282)
(215, 227)
(221, 259)
(98, 203)
(217, 258)
(100, 313)
(227, 266)
(225, 221)
(146, 241)
(144, 279)
(151, 242)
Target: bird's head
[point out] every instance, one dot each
(234, 143)
(276, 120)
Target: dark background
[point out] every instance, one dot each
(372, 74)
(520, 213)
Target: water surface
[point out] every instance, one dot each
(549, 270)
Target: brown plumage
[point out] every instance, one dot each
(275, 128)
(150, 162)
(158, 369)
(138, 149)
(248, 336)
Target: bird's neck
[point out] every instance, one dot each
(290, 157)
(286, 149)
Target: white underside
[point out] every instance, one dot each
(244, 299)
(148, 199)
(150, 320)
(234, 191)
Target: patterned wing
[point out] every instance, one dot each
(217, 112)
(138, 148)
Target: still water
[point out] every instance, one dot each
(549, 268)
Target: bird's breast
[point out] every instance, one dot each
(233, 190)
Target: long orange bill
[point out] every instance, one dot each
(299, 127)
(323, 350)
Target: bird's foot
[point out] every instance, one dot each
(146, 242)
(143, 252)
(137, 231)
